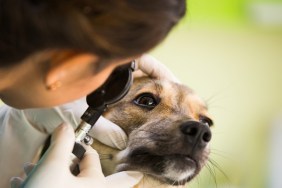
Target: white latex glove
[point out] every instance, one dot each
(154, 68)
(109, 134)
(46, 120)
(53, 169)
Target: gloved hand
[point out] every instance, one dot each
(154, 68)
(53, 168)
(109, 134)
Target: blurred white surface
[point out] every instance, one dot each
(266, 14)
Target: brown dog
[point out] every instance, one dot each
(168, 130)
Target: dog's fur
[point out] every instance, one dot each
(168, 133)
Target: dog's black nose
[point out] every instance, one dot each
(196, 132)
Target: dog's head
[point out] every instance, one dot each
(168, 130)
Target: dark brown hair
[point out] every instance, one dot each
(108, 28)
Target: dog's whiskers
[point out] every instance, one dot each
(217, 166)
(213, 167)
(212, 172)
(174, 182)
(197, 179)
(222, 154)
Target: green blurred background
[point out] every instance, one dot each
(230, 53)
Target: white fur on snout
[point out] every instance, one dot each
(175, 174)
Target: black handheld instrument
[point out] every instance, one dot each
(114, 89)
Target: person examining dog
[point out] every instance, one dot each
(53, 52)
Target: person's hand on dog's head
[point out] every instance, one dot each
(154, 68)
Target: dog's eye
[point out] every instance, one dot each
(146, 100)
(207, 121)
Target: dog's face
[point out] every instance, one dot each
(168, 130)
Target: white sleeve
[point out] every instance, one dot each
(23, 132)
(19, 143)
(47, 119)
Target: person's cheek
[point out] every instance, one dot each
(99, 78)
